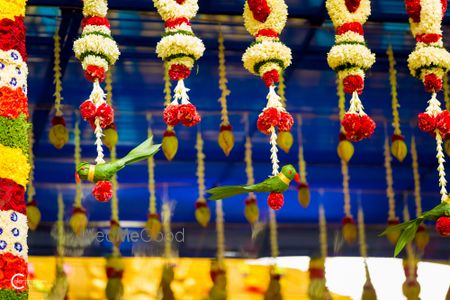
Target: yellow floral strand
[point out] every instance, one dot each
(393, 81)
(446, 92)
(151, 173)
(389, 180)
(31, 191)
(77, 156)
(274, 151)
(57, 74)
(200, 167)
(115, 186)
(362, 233)
(273, 233)
(301, 158)
(409, 248)
(60, 227)
(220, 232)
(223, 82)
(167, 86)
(415, 167)
(282, 90)
(341, 103)
(323, 232)
(166, 228)
(108, 86)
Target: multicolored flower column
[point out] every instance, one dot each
(304, 196)
(14, 165)
(350, 59)
(33, 212)
(58, 134)
(398, 147)
(169, 141)
(226, 137)
(392, 218)
(202, 212)
(368, 289)
(180, 49)
(251, 210)
(97, 51)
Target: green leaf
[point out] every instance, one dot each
(407, 236)
(397, 227)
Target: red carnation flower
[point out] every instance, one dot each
(428, 38)
(58, 120)
(178, 72)
(432, 83)
(13, 102)
(443, 226)
(94, 73)
(348, 220)
(413, 9)
(12, 35)
(260, 9)
(11, 196)
(102, 191)
(286, 121)
(171, 23)
(188, 115)
(367, 126)
(105, 113)
(275, 200)
(443, 123)
(350, 26)
(352, 124)
(88, 110)
(96, 21)
(267, 32)
(352, 5)
(427, 123)
(353, 83)
(270, 117)
(271, 77)
(171, 115)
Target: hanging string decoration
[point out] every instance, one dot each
(446, 90)
(169, 141)
(345, 149)
(422, 236)
(110, 136)
(115, 231)
(14, 165)
(285, 139)
(153, 224)
(350, 59)
(429, 62)
(114, 272)
(349, 229)
(179, 48)
(274, 289)
(392, 218)
(226, 137)
(369, 292)
(398, 147)
(58, 134)
(304, 196)
(251, 210)
(33, 212)
(168, 275)
(202, 212)
(97, 51)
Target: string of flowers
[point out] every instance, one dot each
(345, 148)
(110, 135)
(220, 232)
(226, 137)
(14, 166)
(350, 59)
(179, 48)
(446, 90)
(368, 289)
(202, 212)
(153, 222)
(168, 269)
(304, 196)
(78, 221)
(251, 210)
(58, 134)
(274, 289)
(273, 234)
(285, 139)
(169, 141)
(398, 148)
(33, 212)
(392, 218)
(97, 51)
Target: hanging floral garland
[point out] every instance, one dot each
(251, 210)
(285, 139)
(168, 274)
(429, 62)
(304, 196)
(180, 49)
(398, 148)
(446, 90)
(368, 289)
(153, 224)
(226, 137)
(58, 134)
(345, 149)
(97, 52)
(392, 218)
(114, 272)
(202, 212)
(33, 212)
(169, 141)
(14, 165)
(274, 289)
(350, 59)
(110, 136)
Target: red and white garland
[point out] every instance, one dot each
(97, 52)
(180, 49)
(350, 58)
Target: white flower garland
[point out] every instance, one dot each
(267, 50)
(427, 56)
(95, 8)
(352, 54)
(97, 46)
(339, 13)
(14, 232)
(276, 20)
(170, 9)
(430, 18)
(180, 44)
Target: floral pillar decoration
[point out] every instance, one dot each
(274, 289)
(368, 289)
(153, 225)
(168, 274)
(202, 212)
(97, 51)
(169, 141)
(251, 210)
(304, 196)
(33, 212)
(14, 165)
(350, 59)
(179, 48)
(345, 149)
(317, 288)
(398, 148)
(392, 218)
(58, 135)
(285, 139)
(422, 236)
(226, 137)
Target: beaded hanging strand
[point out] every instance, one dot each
(202, 212)
(169, 141)
(303, 187)
(33, 212)
(285, 139)
(251, 210)
(368, 289)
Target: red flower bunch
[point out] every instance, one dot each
(13, 102)
(352, 5)
(199, 204)
(432, 83)
(58, 120)
(397, 137)
(273, 117)
(350, 26)
(428, 38)
(426, 122)
(102, 191)
(94, 73)
(429, 123)
(250, 200)
(267, 32)
(275, 200)
(348, 220)
(271, 77)
(181, 113)
(413, 9)
(104, 112)
(12, 196)
(358, 127)
(96, 21)
(260, 9)
(353, 83)
(10, 266)
(12, 35)
(443, 226)
(178, 72)
(172, 23)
